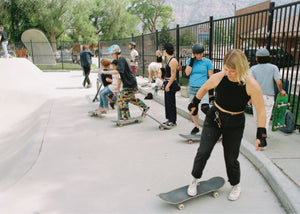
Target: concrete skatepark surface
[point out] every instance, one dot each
(57, 159)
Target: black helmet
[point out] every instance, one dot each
(197, 48)
(132, 43)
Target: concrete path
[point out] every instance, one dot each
(88, 165)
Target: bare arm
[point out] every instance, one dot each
(279, 85)
(211, 83)
(254, 91)
(109, 72)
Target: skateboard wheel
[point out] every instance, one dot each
(215, 194)
(181, 206)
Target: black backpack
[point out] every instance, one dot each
(289, 122)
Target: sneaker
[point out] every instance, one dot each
(235, 193)
(112, 105)
(165, 123)
(192, 189)
(145, 111)
(89, 86)
(195, 130)
(170, 124)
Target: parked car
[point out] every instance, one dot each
(278, 57)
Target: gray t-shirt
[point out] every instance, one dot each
(265, 74)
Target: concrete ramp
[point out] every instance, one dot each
(24, 93)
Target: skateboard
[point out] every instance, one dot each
(179, 196)
(95, 114)
(161, 125)
(132, 120)
(280, 107)
(191, 137)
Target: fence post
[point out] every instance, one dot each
(270, 24)
(99, 53)
(211, 32)
(177, 49)
(61, 55)
(156, 39)
(32, 51)
(143, 54)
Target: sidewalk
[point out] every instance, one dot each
(278, 163)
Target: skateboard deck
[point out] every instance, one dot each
(132, 120)
(280, 107)
(95, 114)
(191, 137)
(161, 125)
(179, 196)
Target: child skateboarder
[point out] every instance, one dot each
(129, 84)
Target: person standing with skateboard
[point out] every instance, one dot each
(129, 83)
(234, 87)
(134, 56)
(265, 74)
(170, 85)
(199, 69)
(85, 62)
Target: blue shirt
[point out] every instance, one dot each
(265, 74)
(199, 74)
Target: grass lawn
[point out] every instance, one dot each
(66, 66)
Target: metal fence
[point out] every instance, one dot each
(276, 28)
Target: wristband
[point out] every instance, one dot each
(261, 135)
(192, 62)
(194, 104)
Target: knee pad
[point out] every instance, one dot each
(204, 108)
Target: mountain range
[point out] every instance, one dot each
(188, 12)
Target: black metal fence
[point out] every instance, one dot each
(276, 28)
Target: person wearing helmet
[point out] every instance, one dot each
(134, 58)
(170, 85)
(129, 83)
(265, 74)
(199, 69)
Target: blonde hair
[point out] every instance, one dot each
(236, 60)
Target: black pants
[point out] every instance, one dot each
(170, 102)
(232, 128)
(87, 70)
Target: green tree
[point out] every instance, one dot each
(165, 36)
(152, 13)
(112, 20)
(186, 38)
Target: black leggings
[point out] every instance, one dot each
(232, 128)
(87, 70)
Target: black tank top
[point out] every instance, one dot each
(159, 59)
(168, 68)
(231, 96)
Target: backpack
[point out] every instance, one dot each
(289, 122)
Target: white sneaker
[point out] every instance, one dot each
(192, 190)
(235, 192)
